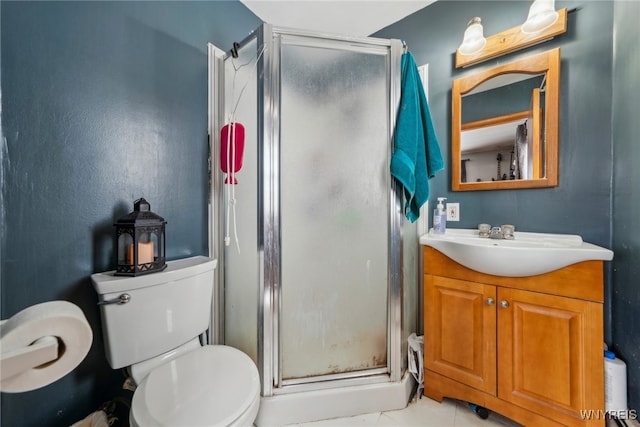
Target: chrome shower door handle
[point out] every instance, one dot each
(122, 299)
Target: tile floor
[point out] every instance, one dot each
(423, 412)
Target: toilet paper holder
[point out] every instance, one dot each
(14, 362)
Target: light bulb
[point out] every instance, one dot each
(473, 40)
(542, 15)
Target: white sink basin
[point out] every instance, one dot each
(528, 254)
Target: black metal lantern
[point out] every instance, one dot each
(140, 241)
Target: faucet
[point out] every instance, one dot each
(504, 232)
(496, 233)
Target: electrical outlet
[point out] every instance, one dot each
(453, 211)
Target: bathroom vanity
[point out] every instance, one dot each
(529, 348)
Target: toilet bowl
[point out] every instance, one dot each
(152, 325)
(210, 386)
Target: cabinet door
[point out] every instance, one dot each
(549, 352)
(460, 331)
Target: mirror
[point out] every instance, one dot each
(505, 126)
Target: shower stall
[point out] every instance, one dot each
(318, 278)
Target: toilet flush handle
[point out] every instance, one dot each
(122, 299)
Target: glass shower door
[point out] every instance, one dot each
(334, 210)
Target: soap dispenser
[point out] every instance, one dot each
(440, 217)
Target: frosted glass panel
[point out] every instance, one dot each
(241, 269)
(335, 191)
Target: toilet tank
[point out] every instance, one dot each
(164, 310)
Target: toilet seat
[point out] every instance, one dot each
(210, 386)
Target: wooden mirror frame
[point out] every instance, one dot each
(546, 62)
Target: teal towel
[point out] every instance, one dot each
(416, 152)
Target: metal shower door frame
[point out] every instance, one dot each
(271, 39)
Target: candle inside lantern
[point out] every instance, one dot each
(145, 253)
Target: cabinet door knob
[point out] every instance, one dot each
(490, 301)
(504, 304)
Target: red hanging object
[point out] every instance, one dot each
(231, 150)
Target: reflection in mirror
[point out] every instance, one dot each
(497, 127)
(505, 126)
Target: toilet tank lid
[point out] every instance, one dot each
(107, 282)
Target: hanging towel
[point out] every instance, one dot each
(416, 153)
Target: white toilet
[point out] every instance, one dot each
(151, 324)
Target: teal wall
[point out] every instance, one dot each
(626, 193)
(102, 103)
(598, 160)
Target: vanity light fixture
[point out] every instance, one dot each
(542, 15)
(543, 23)
(473, 40)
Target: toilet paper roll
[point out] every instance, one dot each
(60, 319)
(615, 383)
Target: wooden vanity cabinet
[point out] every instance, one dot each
(530, 348)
